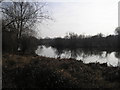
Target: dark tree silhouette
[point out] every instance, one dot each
(73, 41)
(21, 17)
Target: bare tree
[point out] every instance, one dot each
(21, 17)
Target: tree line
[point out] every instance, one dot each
(73, 40)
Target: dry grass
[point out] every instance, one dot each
(42, 72)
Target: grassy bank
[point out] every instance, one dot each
(41, 72)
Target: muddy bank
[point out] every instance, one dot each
(41, 72)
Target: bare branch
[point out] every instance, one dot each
(21, 15)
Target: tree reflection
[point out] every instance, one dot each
(117, 55)
(90, 52)
(58, 52)
(74, 53)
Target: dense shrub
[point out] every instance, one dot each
(28, 44)
(10, 43)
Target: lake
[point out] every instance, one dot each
(87, 56)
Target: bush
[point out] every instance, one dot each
(28, 44)
(9, 41)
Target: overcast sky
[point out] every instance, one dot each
(87, 17)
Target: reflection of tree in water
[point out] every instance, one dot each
(80, 52)
(117, 55)
(71, 52)
(58, 52)
(89, 52)
(74, 53)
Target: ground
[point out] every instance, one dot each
(41, 72)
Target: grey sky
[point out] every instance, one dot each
(87, 17)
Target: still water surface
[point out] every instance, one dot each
(87, 56)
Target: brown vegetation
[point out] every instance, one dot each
(42, 72)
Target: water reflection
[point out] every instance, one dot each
(117, 55)
(86, 55)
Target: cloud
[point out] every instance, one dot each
(86, 16)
